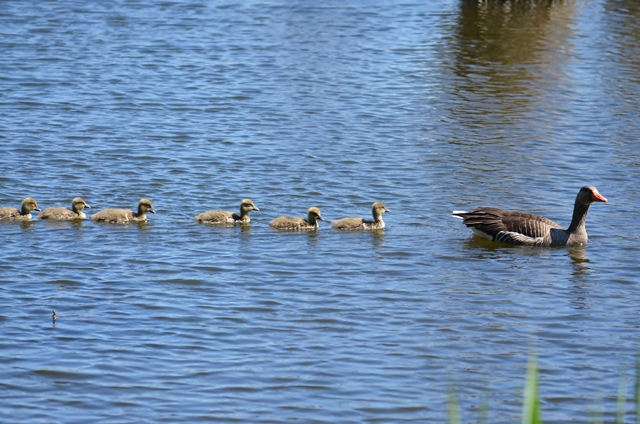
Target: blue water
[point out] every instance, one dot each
(425, 107)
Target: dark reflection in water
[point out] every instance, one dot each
(313, 237)
(378, 238)
(501, 32)
(428, 106)
(621, 18)
(73, 223)
(245, 228)
(27, 225)
(498, 49)
(580, 261)
(581, 295)
(581, 299)
(508, 64)
(483, 250)
(620, 23)
(477, 242)
(483, 247)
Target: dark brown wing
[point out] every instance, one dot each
(493, 221)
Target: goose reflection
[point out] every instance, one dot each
(578, 283)
(579, 259)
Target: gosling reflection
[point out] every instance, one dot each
(377, 237)
(27, 225)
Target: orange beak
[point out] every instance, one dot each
(597, 197)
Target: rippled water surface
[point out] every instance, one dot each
(425, 106)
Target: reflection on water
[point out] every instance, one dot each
(71, 223)
(502, 32)
(581, 297)
(498, 49)
(483, 247)
(623, 64)
(313, 237)
(245, 228)
(428, 105)
(579, 259)
(477, 242)
(509, 62)
(579, 282)
(26, 225)
(378, 238)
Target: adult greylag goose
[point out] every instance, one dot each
(61, 213)
(124, 216)
(297, 224)
(23, 214)
(228, 217)
(532, 230)
(359, 224)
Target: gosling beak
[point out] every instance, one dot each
(255, 208)
(87, 206)
(152, 211)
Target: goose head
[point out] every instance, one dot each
(588, 195)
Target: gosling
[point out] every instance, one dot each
(64, 214)
(124, 216)
(298, 224)
(228, 217)
(24, 214)
(362, 224)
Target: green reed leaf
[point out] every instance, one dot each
(453, 406)
(531, 413)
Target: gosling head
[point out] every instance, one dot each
(247, 206)
(145, 206)
(314, 214)
(77, 205)
(379, 208)
(29, 204)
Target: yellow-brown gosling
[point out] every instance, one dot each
(297, 224)
(362, 224)
(228, 217)
(124, 216)
(61, 214)
(54, 316)
(23, 214)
